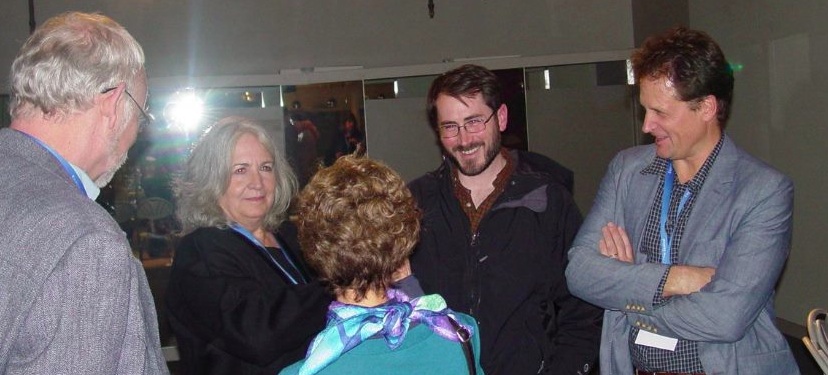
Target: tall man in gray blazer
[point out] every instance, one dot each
(687, 236)
(73, 298)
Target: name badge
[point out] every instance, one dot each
(650, 339)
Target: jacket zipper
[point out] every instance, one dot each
(475, 289)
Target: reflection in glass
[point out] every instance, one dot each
(323, 122)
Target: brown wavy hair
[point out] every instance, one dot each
(358, 223)
(693, 62)
(464, 82)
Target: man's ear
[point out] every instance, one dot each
(709, 107)
(108, 103)
(502, 117)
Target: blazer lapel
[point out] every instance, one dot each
(643, 188)
(708, 214)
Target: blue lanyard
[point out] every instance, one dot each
(666, 193)
(63, 163)
(246, 233)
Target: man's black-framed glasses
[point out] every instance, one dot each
(475, 125)
(146, 117)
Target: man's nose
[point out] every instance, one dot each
(648, 125)
(463, 135)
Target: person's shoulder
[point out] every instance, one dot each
(431, 176)
(84, 230)
(541, 166)
(208, 238)
(748, 171)
(48, 211)
(56, 229)
(40, 201)
(641, 154)
(209, 244)
(14, 142)
(209, 233)
(538, 162)
(632, 160)
(749, 164)
(428, 183)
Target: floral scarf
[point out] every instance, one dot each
(350, 325)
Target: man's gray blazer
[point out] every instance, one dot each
(73, 298)
(740, 224)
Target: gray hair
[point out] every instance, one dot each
(207, 176)
(69, 60)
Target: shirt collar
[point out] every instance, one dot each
(659, 166)
(92, 190)
(463, 195)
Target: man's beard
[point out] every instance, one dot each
(105, 178)
(474, 170)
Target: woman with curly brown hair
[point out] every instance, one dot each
(358, 224)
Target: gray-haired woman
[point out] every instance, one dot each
(240, 299)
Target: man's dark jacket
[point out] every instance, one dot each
(510, 274)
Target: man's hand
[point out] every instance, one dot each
(616, 243)
(684, 280)
(681, 280)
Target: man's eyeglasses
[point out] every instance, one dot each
(146, 117)
(475, 125)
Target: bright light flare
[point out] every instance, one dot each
(184, 111)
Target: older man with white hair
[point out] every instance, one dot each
(73, 299)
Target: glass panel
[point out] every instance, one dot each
(397, 128)
(581, 116)
(323, 122)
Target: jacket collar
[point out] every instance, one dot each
(16, 143)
